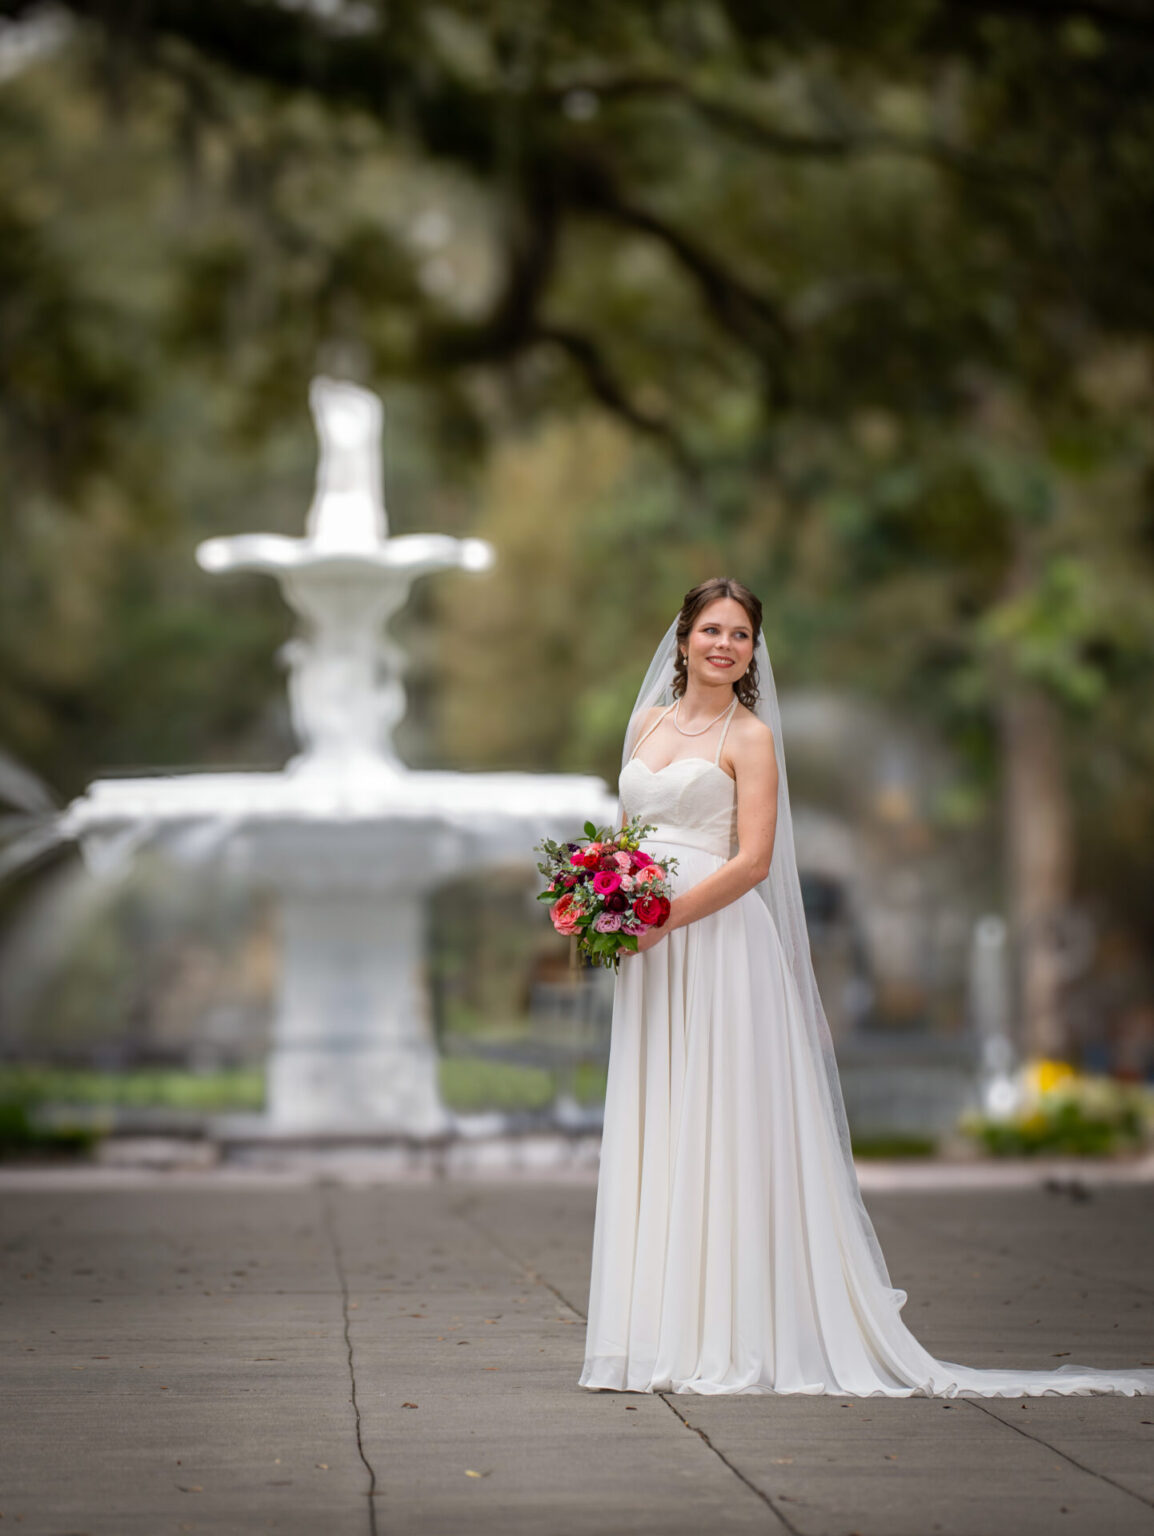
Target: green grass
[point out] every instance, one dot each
(19, 1133)
(468, 1084)
(143, 1087)
(26, 1089)
(894, 1146)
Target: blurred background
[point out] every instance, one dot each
(855, 304)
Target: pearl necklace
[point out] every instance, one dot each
(704, 728)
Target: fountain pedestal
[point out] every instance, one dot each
(353, 1048)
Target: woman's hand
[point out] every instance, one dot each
(649, 938)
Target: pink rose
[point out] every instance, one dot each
(605, 882)
(633, 928)
(608, 922)
(647, 875)
(640, 858)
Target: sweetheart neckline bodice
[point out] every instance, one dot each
(674, 762)
(698, 808)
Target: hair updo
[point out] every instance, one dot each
(746, 686)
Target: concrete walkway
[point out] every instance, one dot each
(215, 1355)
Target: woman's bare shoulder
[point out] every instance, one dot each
(749, 730)
(750, 745)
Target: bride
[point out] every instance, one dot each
(732, 1251)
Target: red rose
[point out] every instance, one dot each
(666, 906)
(647, 910)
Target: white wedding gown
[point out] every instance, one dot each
(727, 1256)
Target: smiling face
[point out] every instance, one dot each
(719, 647)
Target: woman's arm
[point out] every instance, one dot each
(755, 768)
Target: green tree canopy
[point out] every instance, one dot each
(866, 292)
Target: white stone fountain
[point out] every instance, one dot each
(350, 839)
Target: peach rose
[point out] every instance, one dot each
(565, 914)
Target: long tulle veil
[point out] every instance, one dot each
(781, 892)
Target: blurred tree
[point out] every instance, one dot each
(872, 287)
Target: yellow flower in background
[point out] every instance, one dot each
(1044, 1074)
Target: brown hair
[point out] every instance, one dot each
(700, 597)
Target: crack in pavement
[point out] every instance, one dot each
(463, 1213)
(766, 1499)
(1057, 1450)
(342, 1277)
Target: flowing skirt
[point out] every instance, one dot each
(727, 1255)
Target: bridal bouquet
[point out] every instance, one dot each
(604, 891)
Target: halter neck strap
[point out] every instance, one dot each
(651, 730)
(724, 729)
(721, 739)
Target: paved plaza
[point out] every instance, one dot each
(222, 1353)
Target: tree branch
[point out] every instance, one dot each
(748, 316)
(605, 386)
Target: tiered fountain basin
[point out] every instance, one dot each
(349, 839)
